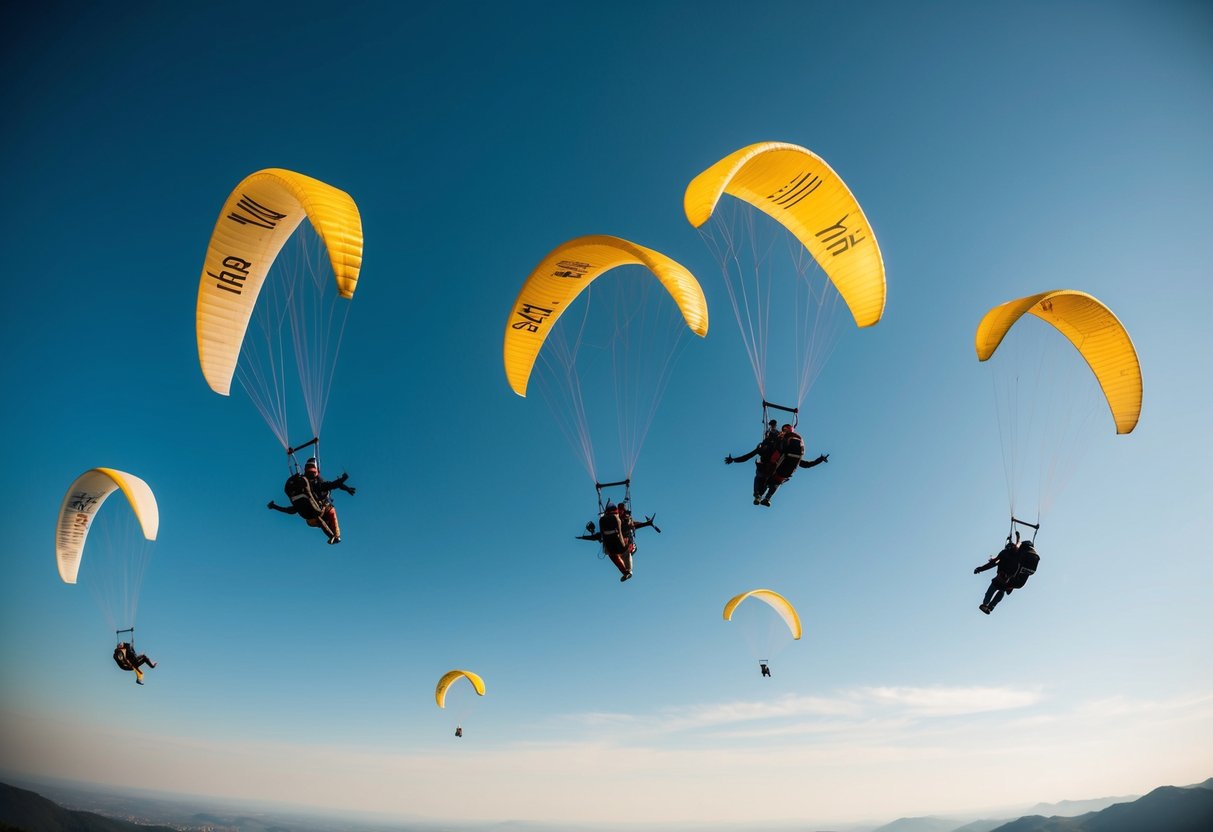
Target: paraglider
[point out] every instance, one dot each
(1016, 562)
(127, 659)
(309, 496)
(290, 298)
(451, 677)
(118, 561)
(776, 459)
(1045, 398)
(790, 244)
(617, 534)
(639, 338)
(787, 617)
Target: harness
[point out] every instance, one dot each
(790, 453)
(1028, 561)
(617, 530)
(783, 462)
(298, 489)
(121, 656)
(610, 525)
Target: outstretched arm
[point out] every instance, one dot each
(809, 463)
(594, 536)
(729, 460)
(337, 483)
(284, 509)
(989, 565)
(648, 521)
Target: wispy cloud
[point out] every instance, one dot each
(846, 710)
(944, 701)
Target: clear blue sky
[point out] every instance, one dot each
(998, 150)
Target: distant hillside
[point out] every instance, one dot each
(1073, 808)
(1065, 808)
(980, 825)
(927, 824)
(29, 812)
(1169, 808)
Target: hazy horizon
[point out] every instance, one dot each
(67, 790)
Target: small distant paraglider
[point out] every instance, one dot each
(783, 608)
(118, 561)
(451, 677)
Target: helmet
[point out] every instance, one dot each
(786, 428)
(312, 463)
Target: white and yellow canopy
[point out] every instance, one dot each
(80, 505)
(257, 219)
(776, 602)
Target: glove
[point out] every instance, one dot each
(728, 460)
(349, 489)
(270, 505)
(823, 458)
(977, 570)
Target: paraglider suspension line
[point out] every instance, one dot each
(627, 493)
(1015, 520)
(294, 464)
(795, 411)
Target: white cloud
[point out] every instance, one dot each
(790, 714)
(941, 701)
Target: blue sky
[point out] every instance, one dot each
(997, 150)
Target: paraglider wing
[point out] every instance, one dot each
(564, 273)
(804, 194)
(257, 219)
(776, 601)
(82, 502)
(1095, 332)
(450, 678)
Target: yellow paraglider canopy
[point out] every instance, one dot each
(776, 601)
(804, 194)
(449, 678)
(1095, 332)
(564, 273)
(257, 219)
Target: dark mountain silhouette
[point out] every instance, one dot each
(1074, 808)
(937, 823)
(29, 812)
(980, 825)
(1169, 808)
